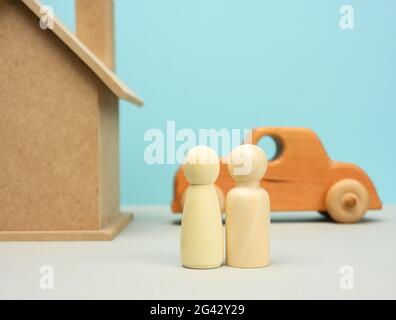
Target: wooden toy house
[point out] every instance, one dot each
(59, 140)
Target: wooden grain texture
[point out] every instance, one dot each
(298, 178)
(95, 28)
(347, 201)
(202, 238)
(247, 210)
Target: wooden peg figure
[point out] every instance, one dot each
(202, 239)
(247, 210)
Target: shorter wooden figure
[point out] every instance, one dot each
(202, 238)
(247, 210)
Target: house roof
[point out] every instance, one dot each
(88, 57)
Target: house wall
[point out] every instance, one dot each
(49, 129)
(109, 157)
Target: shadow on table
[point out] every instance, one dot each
(318, 220)
(289, 219)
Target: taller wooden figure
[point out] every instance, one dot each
(247, 210)
(202, 239)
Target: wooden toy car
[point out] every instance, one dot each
(302, 177)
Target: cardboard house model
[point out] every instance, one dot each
(59, 143)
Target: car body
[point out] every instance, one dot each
(298, 178)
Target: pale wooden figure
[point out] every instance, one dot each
(202, 239)
(247, 210)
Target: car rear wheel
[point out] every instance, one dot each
(347, 201)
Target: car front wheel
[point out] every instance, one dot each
(347, 201)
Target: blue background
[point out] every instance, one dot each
(247, 63)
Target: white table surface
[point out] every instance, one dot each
(143, 263)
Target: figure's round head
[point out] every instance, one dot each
(247, 162)
(201, 165)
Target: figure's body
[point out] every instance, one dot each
(202, 240)
(248, 210)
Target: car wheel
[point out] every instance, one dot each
(347, 201)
